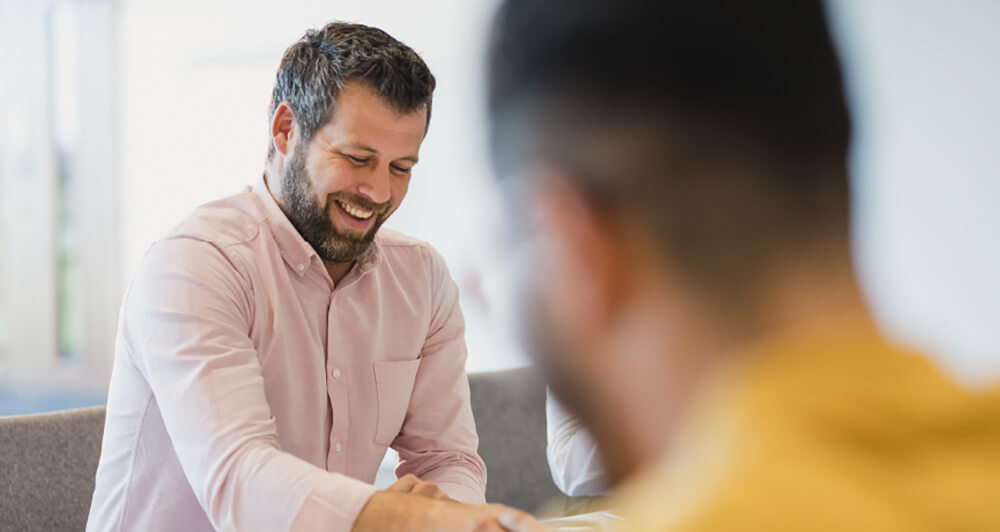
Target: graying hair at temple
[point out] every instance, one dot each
(315, 68)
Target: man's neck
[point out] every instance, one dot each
(672, 354)
(813, 296)
(338, 270)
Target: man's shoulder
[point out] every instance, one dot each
(400, 250)
(223, 222)
(391, 238)
(397, 245)
(813, 495)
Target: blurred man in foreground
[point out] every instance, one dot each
(683, 168)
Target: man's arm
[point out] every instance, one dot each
(438, 440)
(573, 458)
(186, 323)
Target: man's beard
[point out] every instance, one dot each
(313, 220)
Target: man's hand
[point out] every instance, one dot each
(388, 510)
(414, 486)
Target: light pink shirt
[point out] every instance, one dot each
(250, 393)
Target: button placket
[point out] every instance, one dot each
(337, 392)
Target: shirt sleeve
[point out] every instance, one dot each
(438, 440)
(573, 458)
(186, 324)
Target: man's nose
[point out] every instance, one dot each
(375, 186)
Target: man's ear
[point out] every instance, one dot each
(283, 128)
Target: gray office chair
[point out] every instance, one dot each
(47, 466)
(509, 407)
(48, 461)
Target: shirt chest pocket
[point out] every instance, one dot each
(393, 385)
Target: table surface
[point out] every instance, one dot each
(591, 522)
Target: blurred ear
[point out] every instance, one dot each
(588, 273)
(283, 128)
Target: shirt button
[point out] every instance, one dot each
(300, 267)
(336, 373)
(338, 447)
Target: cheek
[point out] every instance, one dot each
(564, 286)
(555, 292)
(555, 338)
(399, 186)
(330, 177)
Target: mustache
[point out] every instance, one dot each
(378, 208)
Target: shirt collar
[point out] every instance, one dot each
(296, 252)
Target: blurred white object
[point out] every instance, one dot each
(924, 78)
(576, 466)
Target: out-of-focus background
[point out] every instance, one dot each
(118, 117)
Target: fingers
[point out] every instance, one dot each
(515, 520)
(487, 521)
(426, 488)
(489, 526)
(413, 485)
(405, 484)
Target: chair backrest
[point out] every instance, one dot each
(509, 407)
(47, 467)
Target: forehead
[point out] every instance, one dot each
(361, 115)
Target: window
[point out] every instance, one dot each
(59, 281)
(64, 93)
(3, 317)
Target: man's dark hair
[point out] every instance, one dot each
(719, 125)
(314, 69)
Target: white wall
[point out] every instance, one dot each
(925, 77)
(57, 192)
(196, 79)
(193, 78)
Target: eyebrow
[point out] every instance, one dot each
(364, 147)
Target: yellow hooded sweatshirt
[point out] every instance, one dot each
(837, 430)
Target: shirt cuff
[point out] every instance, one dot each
(333, 505)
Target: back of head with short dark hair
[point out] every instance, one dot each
(315, 68)
(720, 125)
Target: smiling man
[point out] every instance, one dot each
(275, 343)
